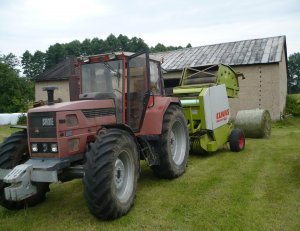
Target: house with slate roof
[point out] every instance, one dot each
(65, 75)
(262, 61)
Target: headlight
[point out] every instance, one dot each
(44, 147)
(34, 147)
(53, 147)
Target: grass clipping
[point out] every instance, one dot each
(255, 123)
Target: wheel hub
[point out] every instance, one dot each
(177, 143)
(173, 143)
(119, 174)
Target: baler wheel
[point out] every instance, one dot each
(111, 173)
(14, 151)
(237, 140)
(173, 145)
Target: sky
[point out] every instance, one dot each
(36, 24)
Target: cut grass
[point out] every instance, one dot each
(257, 189)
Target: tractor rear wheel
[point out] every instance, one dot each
(111, 173)
(173, 145)
(237, 140)
(14, 151)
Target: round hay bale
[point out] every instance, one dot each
(255, 123)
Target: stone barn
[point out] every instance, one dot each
(262, 61)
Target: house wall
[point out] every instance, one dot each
(62, 92)
(265, 87)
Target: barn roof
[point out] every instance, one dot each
(246, 52)
(60, 71)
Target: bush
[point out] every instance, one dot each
(292, 105)
(22, 119)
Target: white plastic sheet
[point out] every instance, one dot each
(10, 118)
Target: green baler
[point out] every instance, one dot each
(204, 97)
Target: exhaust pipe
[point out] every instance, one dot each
(50, 92)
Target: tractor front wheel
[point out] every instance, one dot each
(14, 151)
(111, 173)
(173, 145)
(237, 140)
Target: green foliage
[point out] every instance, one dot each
(55, 54)
(34, 64)
(294, 73)
(293, 105)
(188, 46)
(11, 60)
(22, 120)
(162, 48)
(16, 92)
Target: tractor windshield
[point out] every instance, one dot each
(103, 77)
(106, 78)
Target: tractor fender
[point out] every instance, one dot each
(118, 126)
(152, 124)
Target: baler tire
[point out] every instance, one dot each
(237, 140)
(173, 145)
(111, 173)
(14, 151)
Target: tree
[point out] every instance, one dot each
(12, 61)
(162, 48)
(33, 65)
(112, 43)
(189, 45)
(86, 48)
(73, 48)
(294, 73)
(16, 92)
(39, 62)
(137, 44)
(97, 46)
(124, 42)
(26, 61)
(55, 54)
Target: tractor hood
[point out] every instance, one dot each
(75, 105)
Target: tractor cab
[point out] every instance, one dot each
(126, 78)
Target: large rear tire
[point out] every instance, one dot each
(111, 173)
(14, 151)
(173, 145)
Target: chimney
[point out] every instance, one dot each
(50, 92)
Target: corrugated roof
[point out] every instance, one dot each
(255, 51)
(60, 71)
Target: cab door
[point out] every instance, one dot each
(137, 98)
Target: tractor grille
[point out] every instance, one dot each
(42, 124)
(99, 112)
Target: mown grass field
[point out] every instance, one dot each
(297, 96)
(257, 189)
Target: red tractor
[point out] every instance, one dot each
(122, 117)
